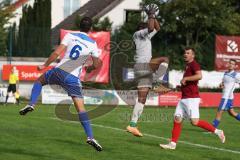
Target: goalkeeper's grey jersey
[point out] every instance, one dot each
(142, 40)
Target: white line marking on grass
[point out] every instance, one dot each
(163, 138)
(183, 142)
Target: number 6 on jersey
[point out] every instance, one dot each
(75, 52)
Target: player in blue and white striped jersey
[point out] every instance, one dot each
(77, 47)
(230, 79)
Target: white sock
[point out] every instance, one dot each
(137, 111)
(159, 73)
(173, 143)
(216, 131)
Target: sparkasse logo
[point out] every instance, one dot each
(232, 46)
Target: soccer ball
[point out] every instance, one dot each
(150, 7)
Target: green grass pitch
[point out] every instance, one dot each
(40, 135)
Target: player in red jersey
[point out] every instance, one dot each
(188, 106)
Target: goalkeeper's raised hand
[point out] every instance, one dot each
(151, 10)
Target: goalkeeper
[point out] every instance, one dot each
(146, 69)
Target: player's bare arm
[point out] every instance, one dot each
(195, 77)
(61, 48)
(221, 85)
(151, 26)
(97, 63)
(156, 25)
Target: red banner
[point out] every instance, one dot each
(208, 99)
(25, 72)
(226, 47)
(102, 39)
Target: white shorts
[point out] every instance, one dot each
(188, 108)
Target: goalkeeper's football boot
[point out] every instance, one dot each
(95, 144)
(134, 131)
(170, 145)
(26, 109)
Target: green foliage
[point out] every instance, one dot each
(190, 23)
(103, 25)
(5, 15)
(32, 38)
(98, 25)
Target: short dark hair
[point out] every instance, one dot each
(190, 48)
(85, 24)
(141, 25)
(233, 60)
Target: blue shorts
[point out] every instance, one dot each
(70, 83)
(225, 105)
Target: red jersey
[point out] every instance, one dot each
(190, 90)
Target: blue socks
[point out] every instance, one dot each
(36, 91)
(238, 117)
(83, 118)
(216, 123)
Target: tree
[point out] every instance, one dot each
(103, 25)
(188, 23)
(34, 33)
(98, 25)
(195, 23)
(5, 15)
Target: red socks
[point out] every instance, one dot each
(177, 127)
(205, 125)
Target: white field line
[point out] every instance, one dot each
(163, 138)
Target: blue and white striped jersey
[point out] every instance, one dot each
(229, 81)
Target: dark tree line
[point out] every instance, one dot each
(5, 15)
(33, 35)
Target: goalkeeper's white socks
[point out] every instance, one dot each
(137, 111)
